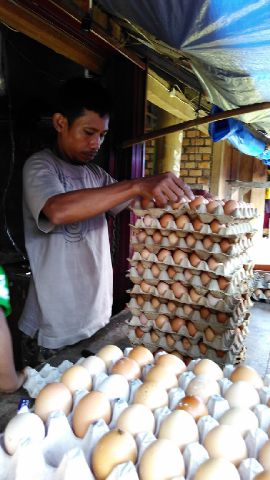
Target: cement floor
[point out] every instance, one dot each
(257, 342)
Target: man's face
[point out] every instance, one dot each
(81, 141)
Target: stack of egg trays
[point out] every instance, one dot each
(260, 285)
(234, 265)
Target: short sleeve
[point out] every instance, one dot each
(40, 182)
(4, 293)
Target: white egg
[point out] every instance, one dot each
(241, 418)
(115, 386)
(95, 365)
(242, 394)
(136, 418)
(22, 426)
(225, 441)
(180, 427)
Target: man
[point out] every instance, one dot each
(66, 235)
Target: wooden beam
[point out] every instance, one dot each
(250, 185)
(194, 123)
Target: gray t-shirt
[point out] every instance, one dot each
(70, 294)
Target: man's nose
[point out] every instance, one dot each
(95, 141)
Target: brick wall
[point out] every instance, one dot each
(196, 159)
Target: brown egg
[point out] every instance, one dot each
(157, 237)
(155, 270)
(155, 336)
(207, 243)
(140, 300)
(155, 302)
(175, 364)
(77, 378)
(166, 219)
(225, 245)
(162, 288)
(54, 396)
(205, 278)
(170, 340)
(222, 317)
(147, 203)
(186, 343)
(181, 221)
(89, 409)
(173, 239)
(187, 310)
(197, 224)
(178, 256)
(178, 289)
(139, 332)
(162, 375)
(188, 274)
(194, 259)
(171, 306)
(202, 347)
(176, 323)
(215, 226)
(193, 405)
(141, 236)
(230, 206)
(110, 354)
(177, 354)
(163, 254)
(204, 312)
(127, 367)
(145, 287)
(145, 253)
(212, 205)
(264, 455)
(209, 334)
(199, 200)
(223, 283)
(247, 374)
(161, 320)
(192, 330)
(265, 475)
(171, 272)
(141, 355)
(195, 297)
(212, 263)
(190, 240)
(140, 268)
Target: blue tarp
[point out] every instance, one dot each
(227, 42)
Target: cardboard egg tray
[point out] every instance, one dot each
(261, 280)
(234, 320)
(245, 212)
(215, 250)
(261, 296)
(226, 304)
(233, 288)
(152, 224)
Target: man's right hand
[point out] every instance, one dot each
(164, 188)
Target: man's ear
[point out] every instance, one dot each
(59, 122)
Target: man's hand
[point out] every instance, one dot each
(164, 188)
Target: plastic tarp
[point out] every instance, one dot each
(227, 42)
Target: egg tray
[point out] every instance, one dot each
(223, 305)
(260, 280)
(234, 287)
(260, 297)
(247, 212)
(235, 250)
(226, 269)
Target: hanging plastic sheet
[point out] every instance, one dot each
(228, 43)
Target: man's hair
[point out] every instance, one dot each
(79, 94)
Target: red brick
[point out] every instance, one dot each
(206, 156)
(183, 173)
(205, 150)
(195, 173)
(204, 164)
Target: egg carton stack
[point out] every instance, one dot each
(191, 272)
(130, 415)
(260, 284)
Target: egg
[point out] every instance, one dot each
(141, 355)
(204, 312)
(176, 323)
(152, 395)
(205, 278)
(203, 386)
(197, 224)
(188, 310)
(153, 465)
(139, 332)
(207, 243)
(223, 283)
(155, 336)
(147, 219)
(264, 455)
(212, 206)
(202, 347)
(178, 256)
(135, 419)
(265, 475)
(179, 427)
(163, 254)
(94, 365)
(140, 300)
(110, 354)
(140, 268)
(170, 340)
(161, 320)
(216, 226)
(222, 317)
(157, 237)
(230, 206)
(90, 408)
(163, 376)
(212, 263)
(209, 334)
(127, 367)
(181, 221)
(216, 468)
(173, 239)
(77, 378)
(114, 448)
(166, 219)
(194, 259)
(162, 288)
(145, 287)
(190, 240)
(22, 426)
(115, 386)
(198, 200)
(171, 272)
(208, 367)
(54, 396)
(155, 270)
(171, 306)
(143, 319)
(225, 441)
(186, 343)
(242, 393)
(188, 274)
(248, 374)
(241, 418)
(145, 253)
(141, 236)
(155, 302)
(178, 289)
(172, 362)
(147, 203)
(193, 405)
(195, 297)
(192, 330)
(225, 245)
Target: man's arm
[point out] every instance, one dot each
(79, 205)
